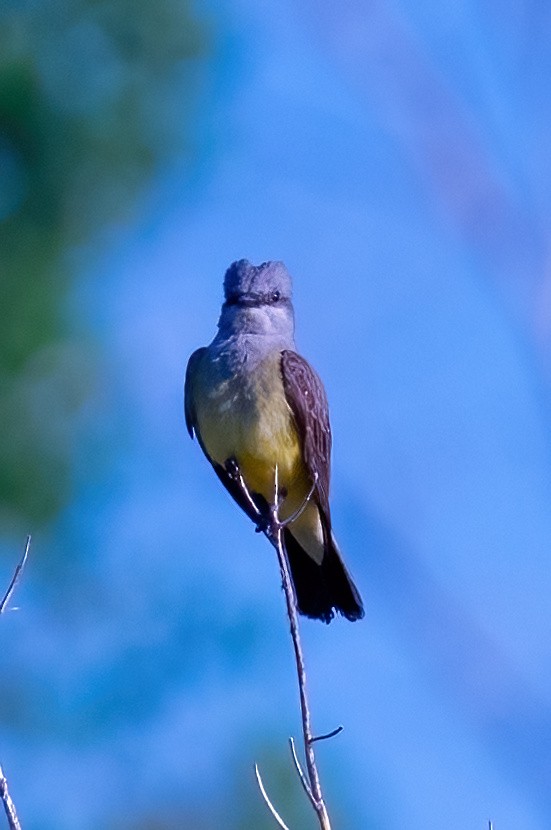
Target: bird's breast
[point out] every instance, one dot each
(246, 416)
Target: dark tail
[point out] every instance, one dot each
(321, 588)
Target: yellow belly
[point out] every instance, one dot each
(249, 419)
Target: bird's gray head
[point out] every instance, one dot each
(257, 300)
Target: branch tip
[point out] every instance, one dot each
(300, 510)
(303, 780)
(16, 576)
(328, 735)
(269, 804)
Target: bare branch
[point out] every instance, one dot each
(273, 529)
(275, 534)
(9, 806)
(328, 735)
(294, 516)
(15, 578)
(301, 775)
(252, 503)
(271, 807)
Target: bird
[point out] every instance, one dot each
(259, 410)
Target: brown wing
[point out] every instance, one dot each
(189, 407)
(306, 397)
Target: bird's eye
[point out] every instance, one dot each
(275, 296)
(233, 299)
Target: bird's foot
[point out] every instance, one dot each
(232, 468)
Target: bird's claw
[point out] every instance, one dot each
(232, 468)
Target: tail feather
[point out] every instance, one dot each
(321, 588)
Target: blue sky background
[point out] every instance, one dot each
(394, 155)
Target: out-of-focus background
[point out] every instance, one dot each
(395, 154)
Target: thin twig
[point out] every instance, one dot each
(298, 513)
(271, 807)
(273, 528)
(301, 775)
(274, 532)
(15, 578)
(9, 806)
(276, 535)
(328, 735)
(245, 489)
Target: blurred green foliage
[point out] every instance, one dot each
(94, 98)
(241, 807)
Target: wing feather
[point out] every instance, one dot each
(308, 402)
(189, 406)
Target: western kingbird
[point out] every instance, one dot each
(256, 405)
